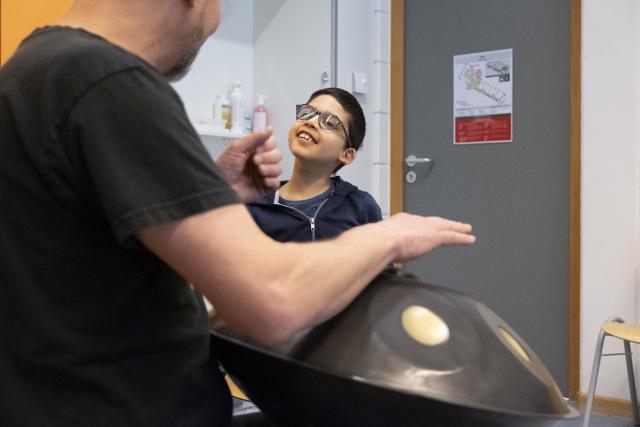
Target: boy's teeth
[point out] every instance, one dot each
(305, 136)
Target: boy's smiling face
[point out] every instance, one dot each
(312, 144)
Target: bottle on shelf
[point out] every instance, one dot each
(246, 119)
(260, 115)
(225, 109)
(221, 109)
(236, 107)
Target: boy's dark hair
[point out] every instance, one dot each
(357, 124)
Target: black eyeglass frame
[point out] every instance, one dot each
(321, 121)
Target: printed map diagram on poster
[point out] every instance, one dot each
(482, 97)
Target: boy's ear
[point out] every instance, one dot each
(348, 156)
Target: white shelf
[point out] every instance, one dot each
(207, 129)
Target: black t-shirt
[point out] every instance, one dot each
(94, 328)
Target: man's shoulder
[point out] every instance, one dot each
(71, 65)
(74, 54)
(76, 42)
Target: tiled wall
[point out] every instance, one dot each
(380, 141)
(363, 45)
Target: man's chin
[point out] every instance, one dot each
(188, 54)
(176, 74)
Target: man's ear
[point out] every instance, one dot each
(348, 156)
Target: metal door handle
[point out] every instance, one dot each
(412, 160)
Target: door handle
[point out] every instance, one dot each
(412, 160)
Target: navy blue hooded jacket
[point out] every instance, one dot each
(347, 207)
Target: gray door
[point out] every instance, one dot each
(514, 194)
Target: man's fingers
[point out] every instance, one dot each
(272, 156)
(269, 144)
(272, 182)
(457, 238)
(454, 232)
(254, 141)
(447, 224)
(270, 170)
(460, 227)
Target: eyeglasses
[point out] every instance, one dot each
(327, 120)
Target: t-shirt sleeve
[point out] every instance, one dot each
(143, 162)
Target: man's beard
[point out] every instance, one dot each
(187, 55)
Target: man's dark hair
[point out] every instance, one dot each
(357, 124)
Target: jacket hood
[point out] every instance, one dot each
(341, 187)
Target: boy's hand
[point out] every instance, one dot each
(251, 164)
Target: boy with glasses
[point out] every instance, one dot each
(314, 204)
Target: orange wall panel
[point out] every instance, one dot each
(18, 18)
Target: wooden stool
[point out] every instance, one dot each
(627, 332)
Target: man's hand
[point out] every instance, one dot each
(416, 235)
(251, 164)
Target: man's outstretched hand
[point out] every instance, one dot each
(252, 164)
(415, 235)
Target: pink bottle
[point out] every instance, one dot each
(260, 115)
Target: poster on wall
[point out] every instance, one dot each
(482, 97)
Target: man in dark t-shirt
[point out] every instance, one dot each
(110, 206)
(85, 168)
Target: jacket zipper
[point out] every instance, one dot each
(312, 220)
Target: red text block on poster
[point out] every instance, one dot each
(483, 129)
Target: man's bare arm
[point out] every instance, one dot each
(268, 290)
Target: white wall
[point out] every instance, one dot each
(355, 25)
(610, 217)
(226, 56)
(363, 45)
(292, 48)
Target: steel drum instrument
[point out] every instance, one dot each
(404, 353)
